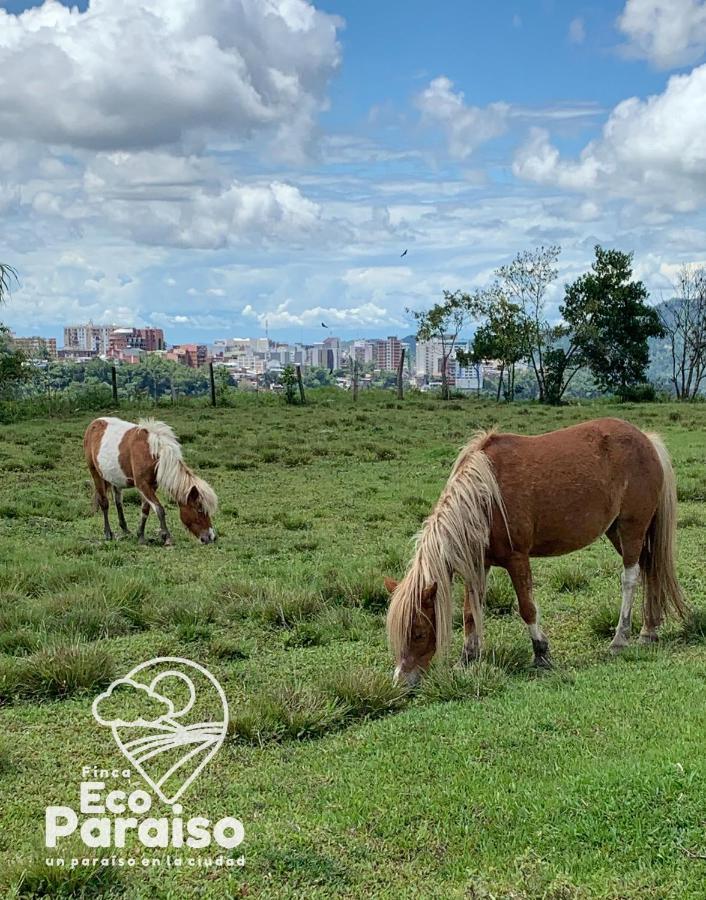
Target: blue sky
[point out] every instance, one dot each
(210, 167)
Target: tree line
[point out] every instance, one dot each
(604, 328)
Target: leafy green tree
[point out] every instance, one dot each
(610, 322)
(289, 381)
(525, 282)
(502, 337)
(14, 367)
(444, 323)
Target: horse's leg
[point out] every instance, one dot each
(118, 498)
(472, 642)
(627, 538)
(143, 521)
(518, 568)
(151, 497)
(648, 632)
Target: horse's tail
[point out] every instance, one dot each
(662, 591)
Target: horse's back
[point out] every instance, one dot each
(107, 451)
(563, 489)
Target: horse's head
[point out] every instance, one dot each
(413, 642)
(195, 516)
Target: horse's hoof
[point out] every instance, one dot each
(543, 662)
(616, 649)
(648, 640)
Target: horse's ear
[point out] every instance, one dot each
(194, 495)
(391, 585)
(428, 595)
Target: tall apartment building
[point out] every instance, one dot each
(88, 337)
(147, 339)
(429, 363)
(35, 347)
(388, 353)
(192, 355)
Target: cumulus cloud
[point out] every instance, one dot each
(668, 33)
(137, 74)
(367, 314)
(652, 150)
(577, 31)
(466, 127)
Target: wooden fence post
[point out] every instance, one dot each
(114, 382)
(400, 366)
(300, 383)
(213, 384)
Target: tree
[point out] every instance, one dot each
(502, 337)
(443, 323)
(610, 322)
(13, 363)
(289, 380)
(684, 322)
(525, 282)
(8, 277)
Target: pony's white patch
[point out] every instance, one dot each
(108, 457)
(535, 632)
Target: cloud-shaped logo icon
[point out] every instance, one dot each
(168, 716)
(128, 702)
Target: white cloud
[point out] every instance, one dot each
(466, 127)
(139, 74)
(653, 150)
(363, 316)
(668, 33)
(577, 30)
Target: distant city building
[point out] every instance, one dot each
(192, 355)
(76, 355)
(35, 347)
(429, 359)
(148, 340)
(88, 337)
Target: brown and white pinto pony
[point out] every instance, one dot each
(147, 456)
(511, 497)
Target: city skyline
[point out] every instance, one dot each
(291, 190)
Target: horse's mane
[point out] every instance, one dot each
(452, 539)
(173, 474)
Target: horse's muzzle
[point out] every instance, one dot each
(409, 679)
(208, 537)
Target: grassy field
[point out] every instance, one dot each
(585, 782)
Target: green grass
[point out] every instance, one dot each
(492, 781)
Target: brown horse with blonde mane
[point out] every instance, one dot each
(146, 456)
(511, 497)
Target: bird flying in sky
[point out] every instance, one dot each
(324, 325)
(403, 254)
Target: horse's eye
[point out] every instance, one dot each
(418, 636)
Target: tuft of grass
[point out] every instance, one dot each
(283, 608)
(37, 879)
(603, 620)
(56, 672)
(510, 656)
(19, 641)
(690, 520)
(224, 647)
(366, 693)
(443, 684)
(499, 595)
(569, 579)
(291, 712)
(693, 628)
